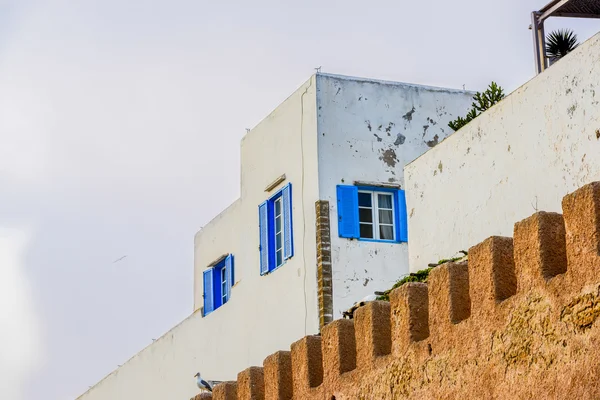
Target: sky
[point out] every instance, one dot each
(120, 124)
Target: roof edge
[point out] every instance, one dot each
(392, 83)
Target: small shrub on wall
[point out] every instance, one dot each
(483, 101)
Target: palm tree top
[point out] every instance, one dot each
(560, 42)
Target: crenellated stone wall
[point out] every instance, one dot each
(515, 322)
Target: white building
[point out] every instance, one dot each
(523, 155)
(320, 223)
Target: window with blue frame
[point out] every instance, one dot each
(372, 213)
(276, 234)
(218, 281)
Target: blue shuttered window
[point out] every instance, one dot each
(208, 291)
(366, 213)
(347, 203)
(288, 245)
(218, 281)
(217, 288)
(230, 275)
(263, 225)
(402, 216)
(276, 233)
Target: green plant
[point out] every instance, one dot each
(483, 101)
(445, 260)
(419, 276)
(559, 43)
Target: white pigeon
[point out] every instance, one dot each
(202, 384)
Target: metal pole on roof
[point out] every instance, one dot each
(550, 9)
(557, 8)
(539, 42)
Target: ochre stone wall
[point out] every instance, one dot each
(516, 322)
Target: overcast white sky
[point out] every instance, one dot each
(120, 124)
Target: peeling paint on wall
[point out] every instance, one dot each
(400, 138)
(409, 115)
(425, 127)
(384, 134)
(433, 142)
(388, 130)
(388, 156)
(441, 111)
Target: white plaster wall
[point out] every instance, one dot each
(367, 131)
(219, 237)
(523, 155)
(264, 313)
(164, 370)
(284, 143)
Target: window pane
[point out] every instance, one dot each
(386, 232)
(366, 231)
(223, 286)
(385, 217)
(277, 207)
(278, 241)
(279, 257)
(365, 215)
(364, 199)
(278, 224)
(385, 201)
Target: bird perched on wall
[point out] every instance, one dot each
(202, 384)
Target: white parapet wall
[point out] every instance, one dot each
(165, 369)
(523, 155)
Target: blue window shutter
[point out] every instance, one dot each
(347, 207)
(217, 292)
(263, 226)
(288, 245)
(208, 291)
(402, 219)
(230, 274)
